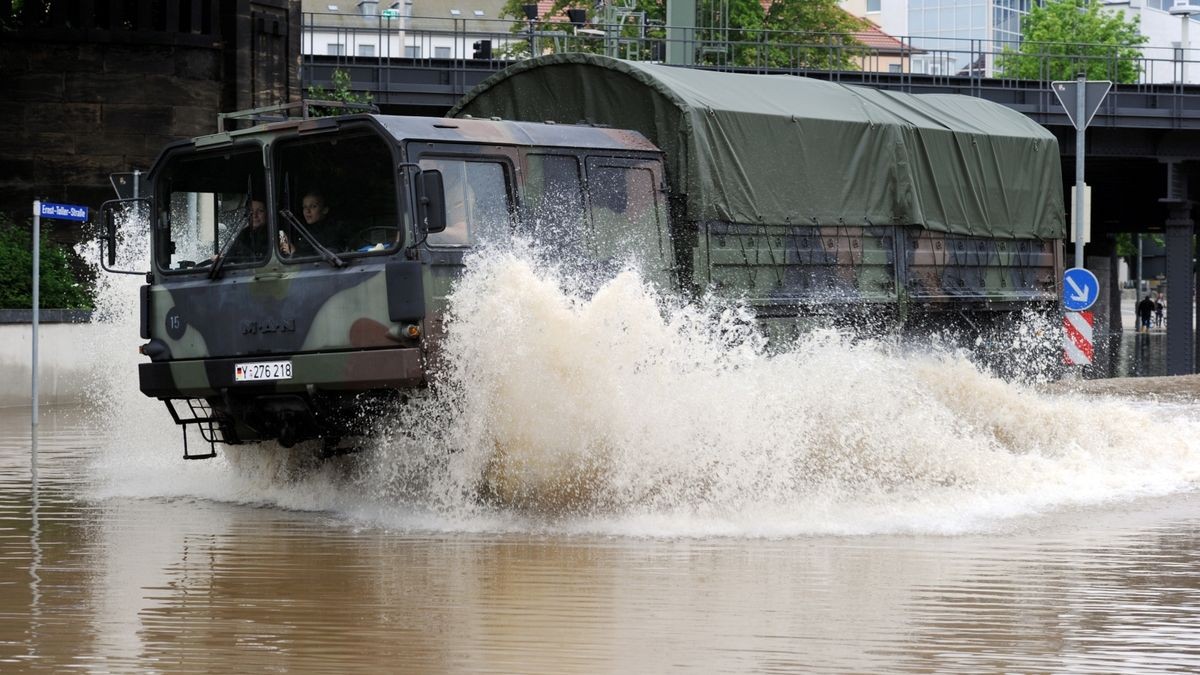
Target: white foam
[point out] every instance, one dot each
(620, 410)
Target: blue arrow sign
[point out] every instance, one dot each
(64, 211)
(1080, 289)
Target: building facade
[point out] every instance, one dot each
(960, 37)
(412, 29)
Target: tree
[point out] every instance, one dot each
(60, 287)
(1064, 37)
(789, 33)
(554, 20)
(341, 92)
(820, 35)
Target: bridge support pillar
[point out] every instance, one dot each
(1180, 227)
(1107, 327)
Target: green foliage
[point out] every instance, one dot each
(553, 20)
(1063, 37)
(59, 288)
(1127, 244)
(789, 34)
(821, 35)
(342, 91)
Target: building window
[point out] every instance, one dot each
(366, 50)
(873, 5)
(894, 68)
(412, 52)
(335, 49)
(441, 52)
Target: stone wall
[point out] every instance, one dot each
(79, 112)
(92, 89)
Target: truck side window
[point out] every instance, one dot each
(624, 210)
(553, 207)
(477, 208)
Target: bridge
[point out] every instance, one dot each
(408, 86)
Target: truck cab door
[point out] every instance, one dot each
(478, 187)
(627, 212)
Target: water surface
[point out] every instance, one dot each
(188, 584)
(612, 482)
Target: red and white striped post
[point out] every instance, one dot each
(1078, 348)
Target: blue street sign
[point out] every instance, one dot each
(64, 211)
(1080, 289)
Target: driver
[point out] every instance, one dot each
(315, 211)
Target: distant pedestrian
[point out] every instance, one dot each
(1158, 311)
(1145, 310)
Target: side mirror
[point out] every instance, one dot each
(431, 201)
(108, 235)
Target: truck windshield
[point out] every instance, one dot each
(341, 194)
(212, 202)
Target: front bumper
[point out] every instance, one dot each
(350, 371)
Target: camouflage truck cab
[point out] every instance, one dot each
(300, 268)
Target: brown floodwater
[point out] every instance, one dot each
(119, 559)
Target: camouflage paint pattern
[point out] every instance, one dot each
(797, 269)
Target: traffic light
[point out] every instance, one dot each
(483, 50)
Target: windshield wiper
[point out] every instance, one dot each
(215, 270)
(329, 256)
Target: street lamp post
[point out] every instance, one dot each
(1184, 9)
(531, 16)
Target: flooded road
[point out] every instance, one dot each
(610, 482)
(94, 581)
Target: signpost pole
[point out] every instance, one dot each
(1080, 288)
(37, 262)
(1080, 128)
(52, 211)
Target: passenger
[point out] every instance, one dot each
(251, 241)
(1145, 309)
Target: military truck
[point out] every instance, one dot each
(802, 198)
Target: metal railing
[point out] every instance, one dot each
(439, 39)
(386, 55)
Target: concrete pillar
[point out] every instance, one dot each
(681, 32)
(1180, 290)
(1115, 323)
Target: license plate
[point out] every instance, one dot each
(262, 370)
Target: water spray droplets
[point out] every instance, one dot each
(578, 400)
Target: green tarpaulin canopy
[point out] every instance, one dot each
(780, 149)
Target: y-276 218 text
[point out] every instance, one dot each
(262, 370)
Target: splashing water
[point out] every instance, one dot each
(620, 409)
